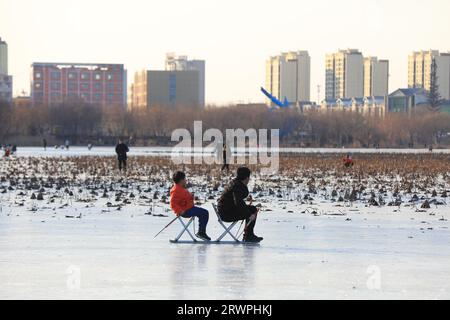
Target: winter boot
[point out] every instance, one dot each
(251, 238)
(202, 235)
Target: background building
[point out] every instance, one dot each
(3, 57)
(22, 101)
(368, 106)
(138, 91)
(405, 100)
(181, 63)
(97, 84)
(166, 88)
(6, 81)
(6, 88)
(350, 75)
(376, 77)
(344, 74)
(182, 83)
(289, 75)
(419, 71)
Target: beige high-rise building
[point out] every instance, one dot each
(289, 76)
(376, 77)
(6, 81)
(344, 74)
(165, 88)
(182, 63)
(3, 57)
(138, 90)
(419, 71)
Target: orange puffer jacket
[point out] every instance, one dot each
(181, 200)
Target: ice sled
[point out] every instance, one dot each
(219, 240)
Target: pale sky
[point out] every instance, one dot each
(235, 37)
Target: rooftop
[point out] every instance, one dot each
(75, 65)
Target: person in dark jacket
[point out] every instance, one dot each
(232, 207)
(225, 165)
(121, 150)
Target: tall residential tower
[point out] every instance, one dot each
(344, 74)
(6, 81)
(419, 71)
(350, 75)
(376, 77)
(3, 57)
(289, 75)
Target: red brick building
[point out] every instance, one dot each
(96, 84)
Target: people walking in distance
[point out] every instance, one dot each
(121, 151)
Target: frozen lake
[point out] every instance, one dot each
(89, 237)
(363, 254)
(166, 151)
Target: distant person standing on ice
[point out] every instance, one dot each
(67, 144)
(223, 155)
(7, 151)
(44, 143)
(121, 150)
(232, 207)
(182, 203)
(348, 161)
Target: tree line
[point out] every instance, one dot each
(82, 123)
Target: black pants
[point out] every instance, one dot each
(237, 216)
(225, 166)
(122, 164)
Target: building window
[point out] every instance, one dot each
(55, 86)
(172, 88)
(72, 86)
(71, 75)
(110, 76)
(38, 85)
(85, 86)
(98, 76)
(110, 86)
(85, 76)
(97, 86)
(56, 75)
(97, 97)
(38, 75)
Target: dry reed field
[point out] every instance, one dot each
(380, 179)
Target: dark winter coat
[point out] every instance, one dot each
(231, 204)
(121, 150)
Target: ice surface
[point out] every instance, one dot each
(302, 257)
(319, 249)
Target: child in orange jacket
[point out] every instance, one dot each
(182, 203)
